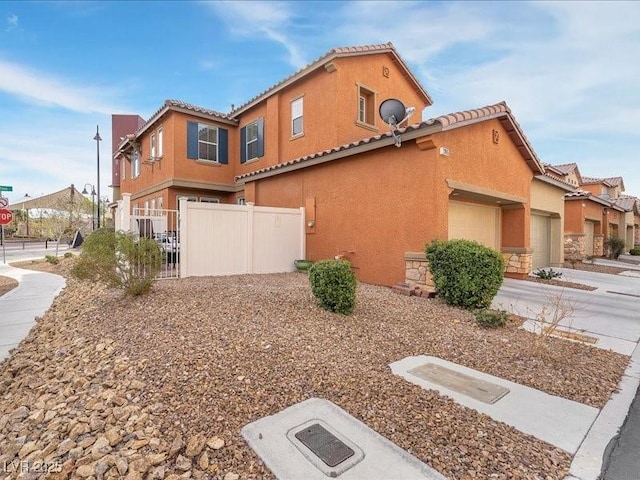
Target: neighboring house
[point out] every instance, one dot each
(594, 212)
(631, 206)
(547, 219)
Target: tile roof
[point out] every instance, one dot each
(327, 57)
(179, 106)
(445, 122)
(628, 203)
(565, 168)
(608, 181)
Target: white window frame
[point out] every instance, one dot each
(152, 207)
(297, 112)
(136, 209)
(160, 140)
(152, 145)
(146, 207)
(210, 199)
(160, 203)
(252, 140)
(135, 164)
(366, 106)
(217, 143)
(362, 108)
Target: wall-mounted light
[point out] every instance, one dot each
(311, 223)
(444, 151)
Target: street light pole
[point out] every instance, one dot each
(98, 139)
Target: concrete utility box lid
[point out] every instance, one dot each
(316, 440)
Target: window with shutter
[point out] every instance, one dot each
(252, 141)
(207, 143)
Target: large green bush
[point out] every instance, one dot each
(465, 273)
(334, 285)
(119, 259)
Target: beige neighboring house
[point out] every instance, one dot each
(631, 206)
(547, 220)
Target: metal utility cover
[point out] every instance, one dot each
(474, 387)
(324, 444)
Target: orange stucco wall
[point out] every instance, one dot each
(330, 108)
(579, 210)
(378, 205)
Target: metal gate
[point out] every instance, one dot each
(163, 226)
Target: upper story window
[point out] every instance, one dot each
(207, 143)
(366, 106)
(297, 115)
(252, 141)
(135, 164)
(152, 148)
(159, 148)
(209, 199)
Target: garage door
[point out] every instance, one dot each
(475, 222)
(588, 241)
(541, 240)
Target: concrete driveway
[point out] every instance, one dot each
(610, 313)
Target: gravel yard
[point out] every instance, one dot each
(160, 385)
(7, 284)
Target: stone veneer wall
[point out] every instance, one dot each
(417, 270)
(598, 244)
(575, 246)
(518, 262)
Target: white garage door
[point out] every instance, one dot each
(588, 230)
(475, 222)
(541, 240)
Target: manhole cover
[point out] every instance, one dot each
(474, 387)
(324, 444)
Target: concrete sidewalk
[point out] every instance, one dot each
(20, 307)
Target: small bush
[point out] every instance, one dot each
(465, 273)
(52, 259)
(491, 318)
(547, 274)
(616, 247)
(120, 260)
(635, 251)
(334, 285)
(68, 255)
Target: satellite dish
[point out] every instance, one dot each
(392, 111)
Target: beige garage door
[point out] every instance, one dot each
(588, 241)
(475, 222)
(541, 240)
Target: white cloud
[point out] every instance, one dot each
(262, 19)
(45, 89)
(12, 21)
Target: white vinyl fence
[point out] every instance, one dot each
(222, 239)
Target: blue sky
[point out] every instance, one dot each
(569, 71)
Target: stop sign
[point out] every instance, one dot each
(5, 216)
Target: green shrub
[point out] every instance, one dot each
(547, 274)
(119, 259)
(635, 251)
(616, 246)
(491, 318)
(465, 273)
(334, 285)
(52, 259)
(68, 255)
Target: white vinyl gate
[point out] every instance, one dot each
(204, 239)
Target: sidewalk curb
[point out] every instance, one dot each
(588, 460)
